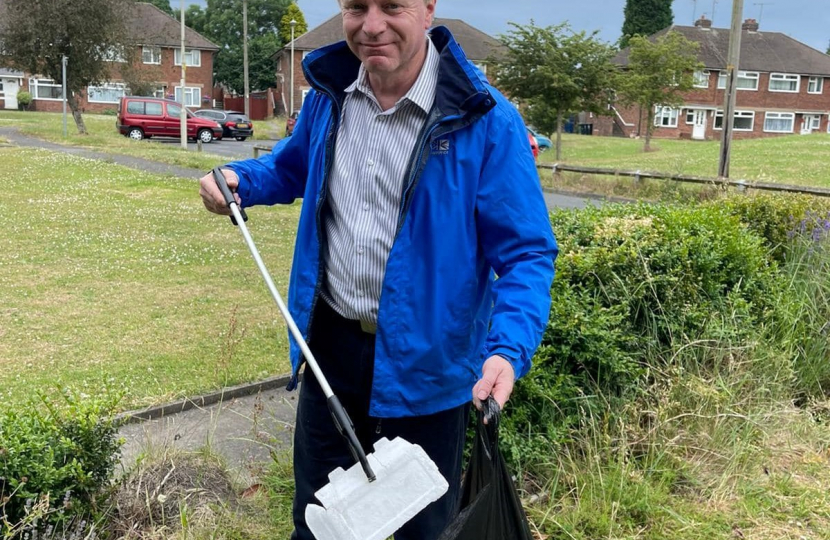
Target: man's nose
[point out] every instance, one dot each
(375, 21)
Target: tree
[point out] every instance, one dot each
(293, 13)
(659, 71)
(163, 5)
(644, 18)
(828, 48)
(194, 17)
(223, 26)
(553, 71)
(91, 34)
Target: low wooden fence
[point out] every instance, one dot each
(740, 185)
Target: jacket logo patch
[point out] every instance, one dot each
(440, 146)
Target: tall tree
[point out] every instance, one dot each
(163, 5)
(194, 17)
(553, 71)
(644, 18)
(90, 34)
(293, 13)
(659, 72)
(223, 26)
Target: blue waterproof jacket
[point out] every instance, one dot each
(472, 206)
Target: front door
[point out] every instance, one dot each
(699, 127)
(811, 123)
(10, 88)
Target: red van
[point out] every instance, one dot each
(145, 117)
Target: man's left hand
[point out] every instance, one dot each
(497, 377)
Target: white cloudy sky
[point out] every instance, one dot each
(805, 20)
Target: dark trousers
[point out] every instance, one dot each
(346, 357)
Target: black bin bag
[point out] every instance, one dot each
(490, 506)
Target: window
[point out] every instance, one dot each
(813, 122)
(160, 92)
(747, 80)
(193, 57)
(1, 87)
(743, 120)
(106, 93)
(784, 82)
(192, 96)
(150, 108)
(701, 79)
(174, 110)
(481, 67)
(690, 116)
(151, 55)
(775, 122)
(45, 89)
(816, 85)
(113, 54)
(665, 116)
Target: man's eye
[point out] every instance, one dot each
(393, 7)
(354, 7)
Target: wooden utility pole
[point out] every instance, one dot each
(245, 56)
(731, 82)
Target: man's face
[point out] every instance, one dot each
(386, 35)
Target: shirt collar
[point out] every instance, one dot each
(422, 92)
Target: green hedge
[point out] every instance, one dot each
(633, 283)
(61, 453)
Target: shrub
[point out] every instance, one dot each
(634, 284)
(774, 217)
(24, 99)
(58, 455)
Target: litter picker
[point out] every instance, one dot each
(383, 490)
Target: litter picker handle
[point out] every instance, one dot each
(222, 184)
(346, 428)
(341, 418)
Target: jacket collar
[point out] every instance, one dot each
(461, 90)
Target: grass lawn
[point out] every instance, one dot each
(103, 136)
(792, 159)
(111, 276)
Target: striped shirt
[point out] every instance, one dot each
(366, 187)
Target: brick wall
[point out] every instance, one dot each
(758, 101)
(284, 80)
(166, 74)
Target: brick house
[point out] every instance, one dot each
(477, 45)
(157, 64)
(783, 87)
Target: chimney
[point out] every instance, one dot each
(703, 22)
(750, 25)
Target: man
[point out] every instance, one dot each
(418, 186)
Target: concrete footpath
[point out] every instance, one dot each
(244, 424)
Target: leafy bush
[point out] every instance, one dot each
(58, 456)
(775, 217)
(24, 99)
(634, 284)
(110, 112)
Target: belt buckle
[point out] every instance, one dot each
(369, 327)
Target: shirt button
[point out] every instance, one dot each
(360, 294)
(371, 162)
(360, 250)
(365, 207)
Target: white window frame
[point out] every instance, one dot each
(738, 114)
(815, 121)
(661, 116)
(153, 52)
(193, 95)
(120, 88)
(2, 91)
(701, 78)
(779, 116)
(194, 57)
(815, 85)
(785, 78)
(35, 83)
(690, 117)
(745, 75)
(112, 54)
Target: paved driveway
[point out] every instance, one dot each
(230, 148)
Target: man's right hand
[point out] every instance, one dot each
(212, 197)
